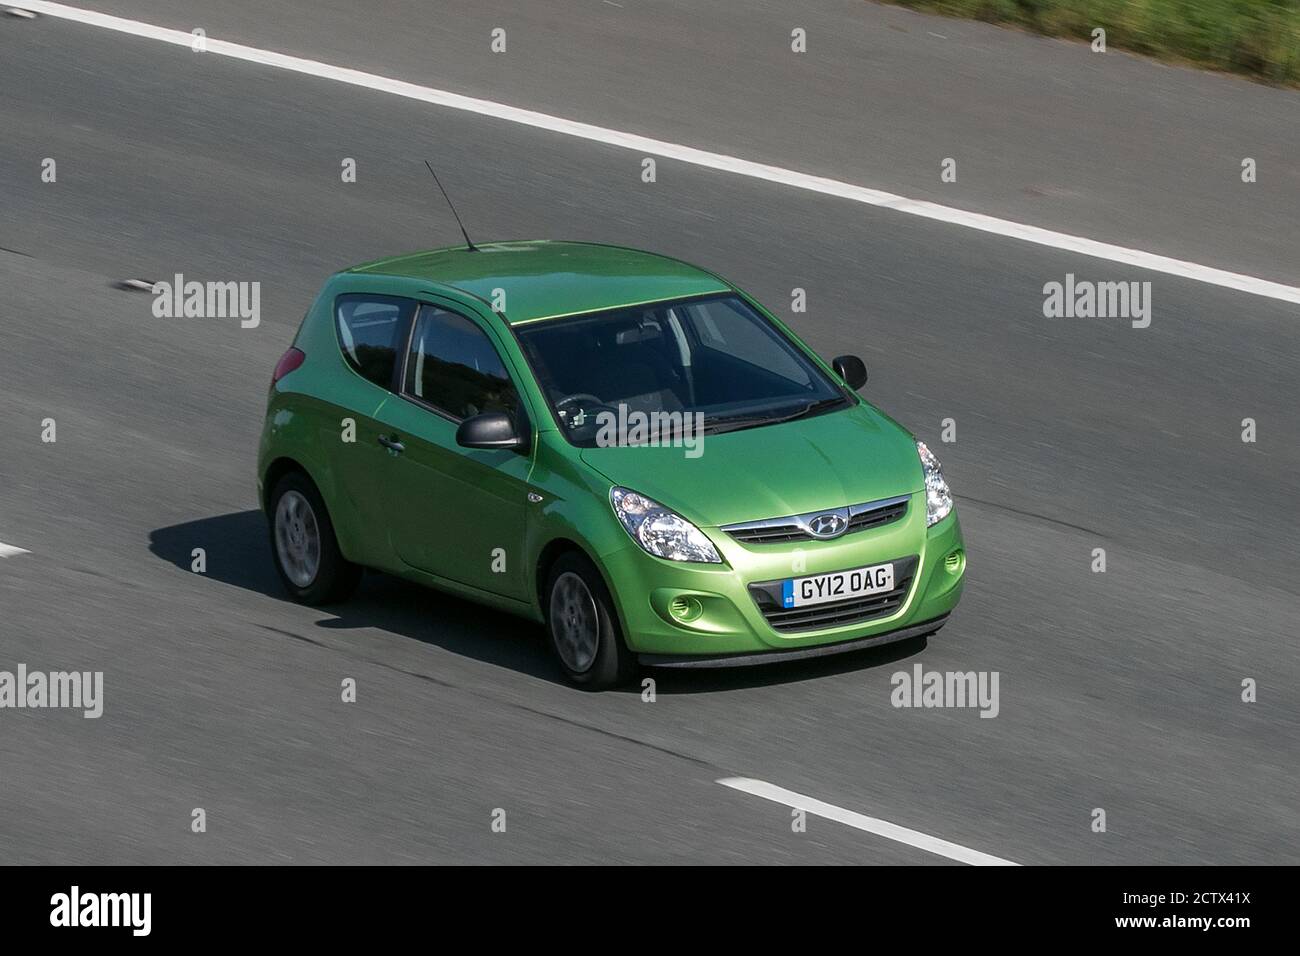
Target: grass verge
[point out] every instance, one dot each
(1257, 38)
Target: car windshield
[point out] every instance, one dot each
(715, 359)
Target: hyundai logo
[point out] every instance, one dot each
(829, 525)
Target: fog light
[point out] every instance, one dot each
(685, 609)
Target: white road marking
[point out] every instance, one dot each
(8, 550)
(890, 831)
(687, 154)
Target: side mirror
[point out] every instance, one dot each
(488, 430)
(852, 369)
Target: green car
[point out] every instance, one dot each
(620, 446)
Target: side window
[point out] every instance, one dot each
(370, 331)
(454, 367)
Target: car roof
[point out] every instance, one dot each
(544, 279)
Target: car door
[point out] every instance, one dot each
(372, 332)
(455, 512)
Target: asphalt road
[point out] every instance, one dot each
(1043, 131)
(1119, 691)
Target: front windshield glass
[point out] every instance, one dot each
(714, 361)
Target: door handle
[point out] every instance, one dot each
(392, 444)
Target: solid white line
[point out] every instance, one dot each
(8, 550)
(686, 154)
(882, 828)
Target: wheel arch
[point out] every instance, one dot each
(341, 522)
(546, 559)
(276, 470)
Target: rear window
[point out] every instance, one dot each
(371, 331)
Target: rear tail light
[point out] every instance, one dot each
(289, 361)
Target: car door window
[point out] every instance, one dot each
(453, 367)
(371, 333)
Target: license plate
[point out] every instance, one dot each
(837, 586)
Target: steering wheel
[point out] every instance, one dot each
(579, 397)
(593, 402)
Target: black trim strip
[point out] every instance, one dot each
(794, 654)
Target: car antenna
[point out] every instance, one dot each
(469, 245)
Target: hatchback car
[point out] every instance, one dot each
(622, 447)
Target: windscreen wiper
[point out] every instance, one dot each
(735, 424)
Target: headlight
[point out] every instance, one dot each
(661, 532)
(938, 496)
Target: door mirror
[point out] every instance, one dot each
(852, 369)
(488, 430)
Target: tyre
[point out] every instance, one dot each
(583, 626)
(303, 546)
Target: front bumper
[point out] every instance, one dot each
(675, 612)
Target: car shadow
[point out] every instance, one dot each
(237, 553)
(709, 680)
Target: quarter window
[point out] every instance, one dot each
(371, 333)
(454, 367)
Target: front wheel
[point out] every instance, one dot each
(583, 626)
(303, 545)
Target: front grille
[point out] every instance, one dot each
(769, 534)
(872, 514)
(834, 613)
(875, 517)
